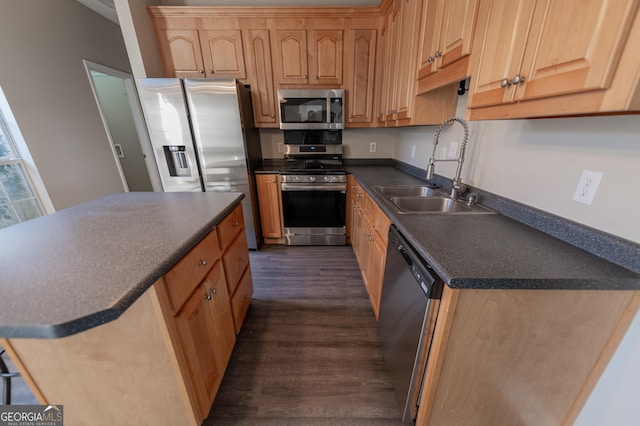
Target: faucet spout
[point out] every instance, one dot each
(458, 187)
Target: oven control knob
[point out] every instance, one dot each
(297, 178)
(312, 178)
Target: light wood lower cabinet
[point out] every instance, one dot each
(162, 361)
(270, 200)
(507, 357)
(369, 228)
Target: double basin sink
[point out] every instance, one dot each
(425, 199)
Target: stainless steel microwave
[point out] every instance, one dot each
(311, 109)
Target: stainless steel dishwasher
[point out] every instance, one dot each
(408, 308)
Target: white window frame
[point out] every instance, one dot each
(24, 158)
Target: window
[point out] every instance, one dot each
(18, 201)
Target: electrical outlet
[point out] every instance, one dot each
(413, 151)
(280, 147)
(443, 152)
(372, 147)
(587, 186)
(453, 149)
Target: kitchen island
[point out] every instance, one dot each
(125, 309)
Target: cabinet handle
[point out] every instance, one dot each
(207, 297)
(438, 54)
(211, 72)
(273, 115)
(517, 79)
(246, 296)
(201, 71)
(505, 82)
(315, 77)
(430, 59)
(305, 77)
(273, 181)
(235, 224)
(350, 115)
(213, 291)
(242, 259)
(202, 262)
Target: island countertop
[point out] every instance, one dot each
(84, 266)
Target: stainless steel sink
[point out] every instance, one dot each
(425, 199)
(409, 191)
(434, 205)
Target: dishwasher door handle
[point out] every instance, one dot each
(405, 255)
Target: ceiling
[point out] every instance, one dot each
(107, 8)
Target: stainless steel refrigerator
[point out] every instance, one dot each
(204, 139)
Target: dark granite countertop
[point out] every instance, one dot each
(83, 266)
(491, 251)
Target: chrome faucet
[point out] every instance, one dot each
(458, 187)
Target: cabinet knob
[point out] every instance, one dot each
(273, 181)
(207, 297)
(380, 114)
(242, 259)
(213, 291)
(246, 296)
(273, 115)
(350, 115)
(211, 72)
(315, 77)
(431, 59)
(517, 79)
(235, 224)
(505, 82)
(201, 71)
(305, 77)
(202, 262)
(438, 54)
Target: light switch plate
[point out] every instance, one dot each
(587, 186)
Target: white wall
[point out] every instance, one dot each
(42, 44)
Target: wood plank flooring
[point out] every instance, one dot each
(308, 353)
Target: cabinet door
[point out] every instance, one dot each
(405, 88)
(577, 54)
(361, 65)
(502, 40)
(325, 57)
(431, 22)
(458, 22)
(223, 53)
(270, 200)
(225, 335)
(181, 53)
(291, 57)
(196, 329)
(377, 259)
(258, 49)
(393, 57)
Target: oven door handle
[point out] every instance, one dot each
(312, 187)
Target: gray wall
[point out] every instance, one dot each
(42, 44)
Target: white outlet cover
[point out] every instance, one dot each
(587, 186)
(372, 147)
(413, 151)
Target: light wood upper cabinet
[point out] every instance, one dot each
(181, 53)
(446, 42)
(270, 199)
(192, 53)
(223, 53)
(309, 57)
(360, 58)
(258, 56)
(533, 61)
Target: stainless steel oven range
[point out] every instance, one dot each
(314, 187)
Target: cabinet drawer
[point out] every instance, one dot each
(191, 269)
(230, 227)
(236, 259)
(242, 299)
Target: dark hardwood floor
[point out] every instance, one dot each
(308, 353)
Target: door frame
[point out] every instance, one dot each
(138, 119)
